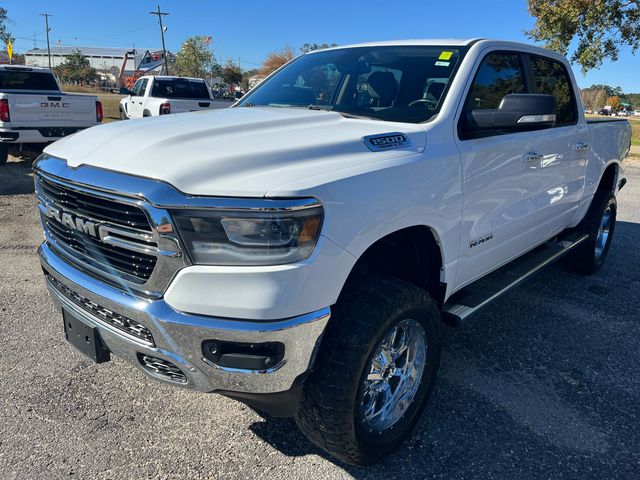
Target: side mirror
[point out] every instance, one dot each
(125, 91)
(517, 111)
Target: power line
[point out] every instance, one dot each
(46, 22)
(162, 29)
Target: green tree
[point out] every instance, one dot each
(195, 59)
(5, 36)
(231, 73)
(76, 69)
(310, 47)
(600, 27)
(246, 75)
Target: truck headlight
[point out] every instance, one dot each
(249, 237)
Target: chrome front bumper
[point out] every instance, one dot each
(178, 336)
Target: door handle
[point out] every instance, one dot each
(533, 157)
(582, 146)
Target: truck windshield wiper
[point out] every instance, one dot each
(329, 108)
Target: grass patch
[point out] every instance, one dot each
(635, 131)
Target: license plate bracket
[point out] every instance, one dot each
(85, 338)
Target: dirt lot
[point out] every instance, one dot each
(544, 383)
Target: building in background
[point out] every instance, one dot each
(103, 59)
(113, 65)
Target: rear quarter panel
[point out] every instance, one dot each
(610, 141)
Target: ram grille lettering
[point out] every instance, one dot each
(85, 226)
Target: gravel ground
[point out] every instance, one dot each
(544, 383)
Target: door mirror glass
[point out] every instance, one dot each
(517, 111)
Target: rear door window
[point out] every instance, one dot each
(180, 88)
(551, 78)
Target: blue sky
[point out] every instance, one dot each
(250, 29)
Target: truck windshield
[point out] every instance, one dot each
(391, 83)
(179, 88)
(21, 80)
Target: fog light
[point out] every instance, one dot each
(243, 356)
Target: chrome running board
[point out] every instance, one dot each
(476, 295)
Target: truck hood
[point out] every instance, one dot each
(249, 152)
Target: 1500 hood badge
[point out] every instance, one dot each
(386, 141)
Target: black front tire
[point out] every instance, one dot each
(4, 153)
(588, 257)
(330, 412)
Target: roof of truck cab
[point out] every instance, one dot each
(449, 42)
(452, 42)
(24, 68)
(171, 77)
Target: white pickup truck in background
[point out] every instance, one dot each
(160, 95)
(299, 250)
(34, 110)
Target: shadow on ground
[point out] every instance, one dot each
(16, 176)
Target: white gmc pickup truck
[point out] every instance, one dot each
(299, 251)
(33, 109)
(160, 95)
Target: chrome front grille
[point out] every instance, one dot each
(90, 206)
(120, 241)
(111, 257)
(122, 323)
(104, 224)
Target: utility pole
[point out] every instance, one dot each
(46, 22)
(164, 50)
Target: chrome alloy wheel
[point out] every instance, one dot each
(394, 375)
(603, 233)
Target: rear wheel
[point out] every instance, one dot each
(4, 153)
(599, 223)
(374, 371)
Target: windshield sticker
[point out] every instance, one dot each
(445, 55)
(443, 64)
(386, 141)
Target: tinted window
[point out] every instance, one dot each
(179, 88)
(135, 91)
(551, 78)
(143, 87)
(392, 83)
(12, 80)
(499, 75)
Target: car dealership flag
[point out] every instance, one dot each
(10, 50)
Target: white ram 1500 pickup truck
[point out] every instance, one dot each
(33, 109)
(160, 95)
(299, 251)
